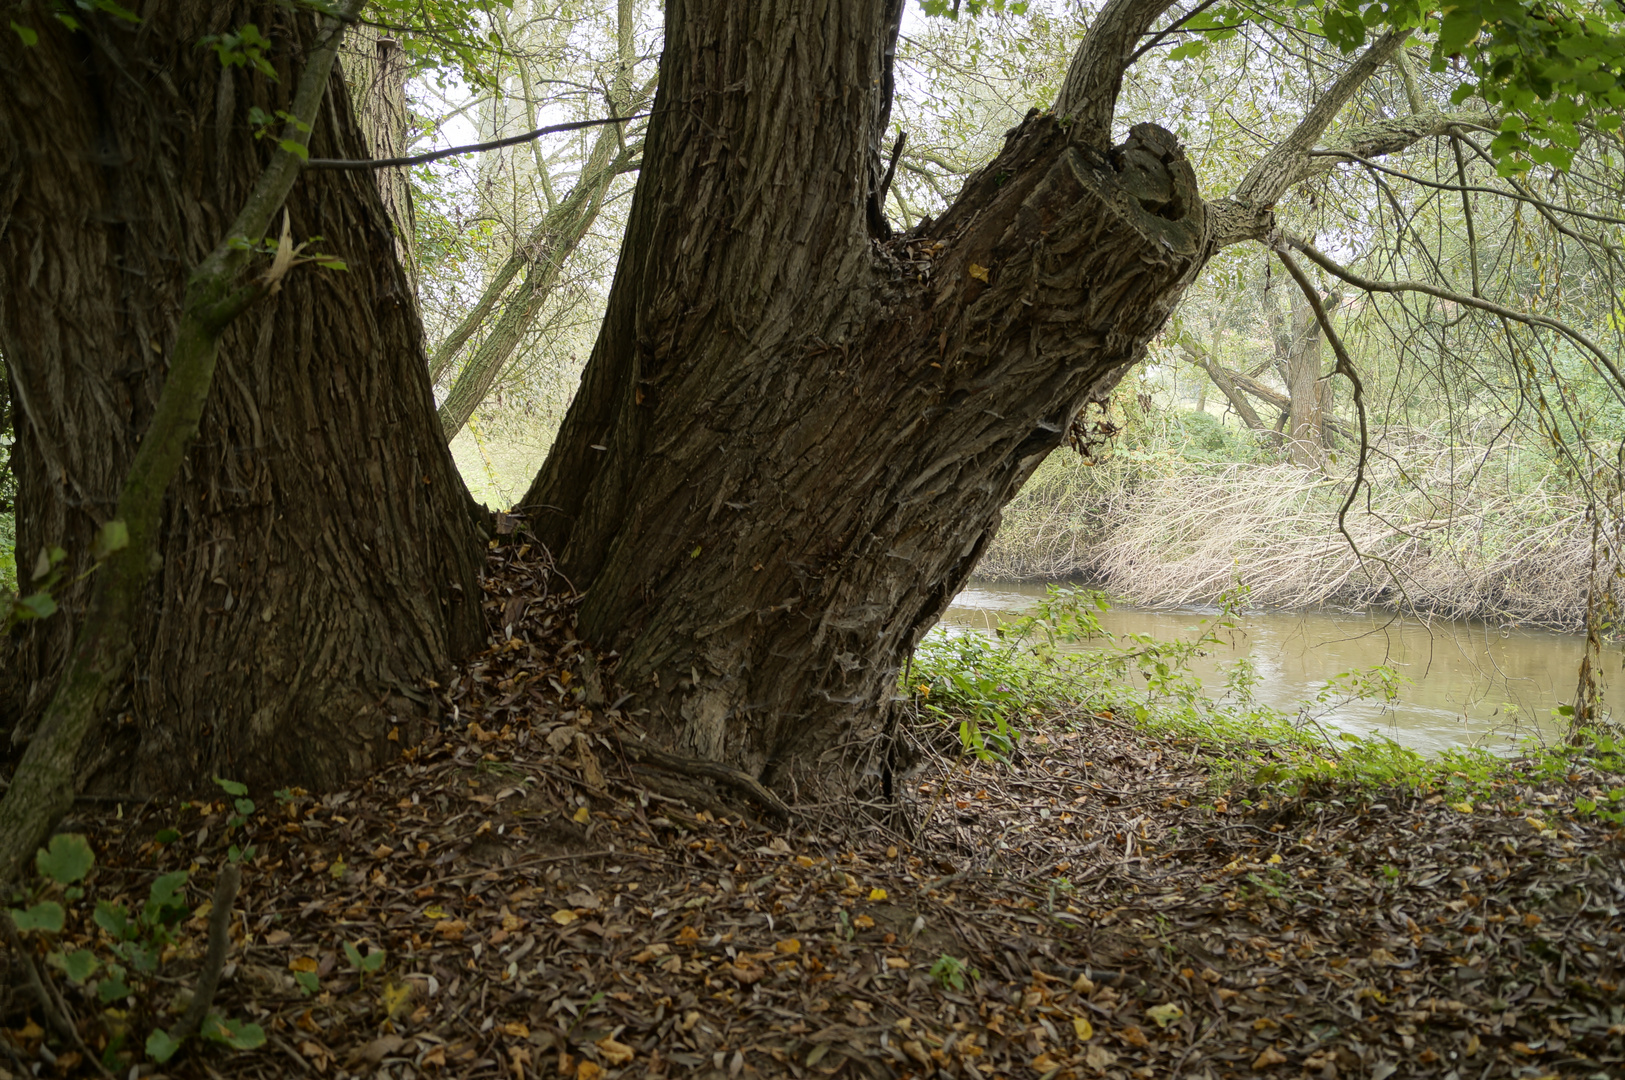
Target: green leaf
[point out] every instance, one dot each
(308, 981)
(67, 859)
(160, 1047)
(111, 537)
(46, 916)
(1459, 26)
(113, 988)
(38, 605)
(231, 787)
(297, 149)
(78, 965)
(235, 1034)
(166, 836)
(30, 38)
(113, 918)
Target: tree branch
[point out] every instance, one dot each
(1345, 367)
(1247, 214)
(1359, 281)
(1088, 97)
(471, 148)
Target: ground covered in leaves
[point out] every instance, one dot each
(1090, 910)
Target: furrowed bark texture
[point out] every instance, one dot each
(317, 554)
(793, 441)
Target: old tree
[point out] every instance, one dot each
(791, 443)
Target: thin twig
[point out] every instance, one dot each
(471, 148)
(214, 959)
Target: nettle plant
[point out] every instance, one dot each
(116, 955)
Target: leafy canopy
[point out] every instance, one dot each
(1546, 67)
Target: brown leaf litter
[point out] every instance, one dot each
(1094, 911)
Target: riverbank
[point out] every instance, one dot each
(1107, 899)
(1443, 529)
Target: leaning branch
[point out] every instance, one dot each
(1527, 318)
(1088, 97)
(1247, 214)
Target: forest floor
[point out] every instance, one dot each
(1096, 909)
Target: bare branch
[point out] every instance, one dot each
(1325, 262)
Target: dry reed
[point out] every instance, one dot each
(1446, 530)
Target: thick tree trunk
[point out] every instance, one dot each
(793, 440)
(375, 71)
(318, 555)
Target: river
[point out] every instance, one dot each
(1470, 683)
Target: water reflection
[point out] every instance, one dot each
(1471, 683)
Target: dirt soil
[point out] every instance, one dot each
(547, 907)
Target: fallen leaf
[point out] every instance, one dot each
(787, 947)
(614, 1052)
(977, 272)
(1083, 1029)
(1269, 1057)
(1165, 1014)
(564, 916)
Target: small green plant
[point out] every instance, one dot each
(123, 966)
(952, 973)
(365, 963)
(243, 808)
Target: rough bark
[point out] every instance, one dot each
(375, 71)
(792, 441)
(317, 558)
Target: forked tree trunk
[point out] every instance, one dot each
(794, 439)
(319, 559)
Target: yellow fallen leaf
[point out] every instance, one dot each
(877, 894)
(451, 929)
(435, 911)
(582, 815)
(516, 1029)
(396, 998)
(1165, 1014)
(804, 862)
(1274, 860)
(1267, 1058)
(614, 1052)
(588, 1070)
(1462, 807)
(564, 916)
(1083, 1029)
(977, 272)
(863, 922)
(787, 947)
(896, 963)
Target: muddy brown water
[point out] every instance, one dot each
(1470, 683)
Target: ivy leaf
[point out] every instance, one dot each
(46, 916)
(78, 965)
(237, 1035)
(67, 859)
(160, 1047)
